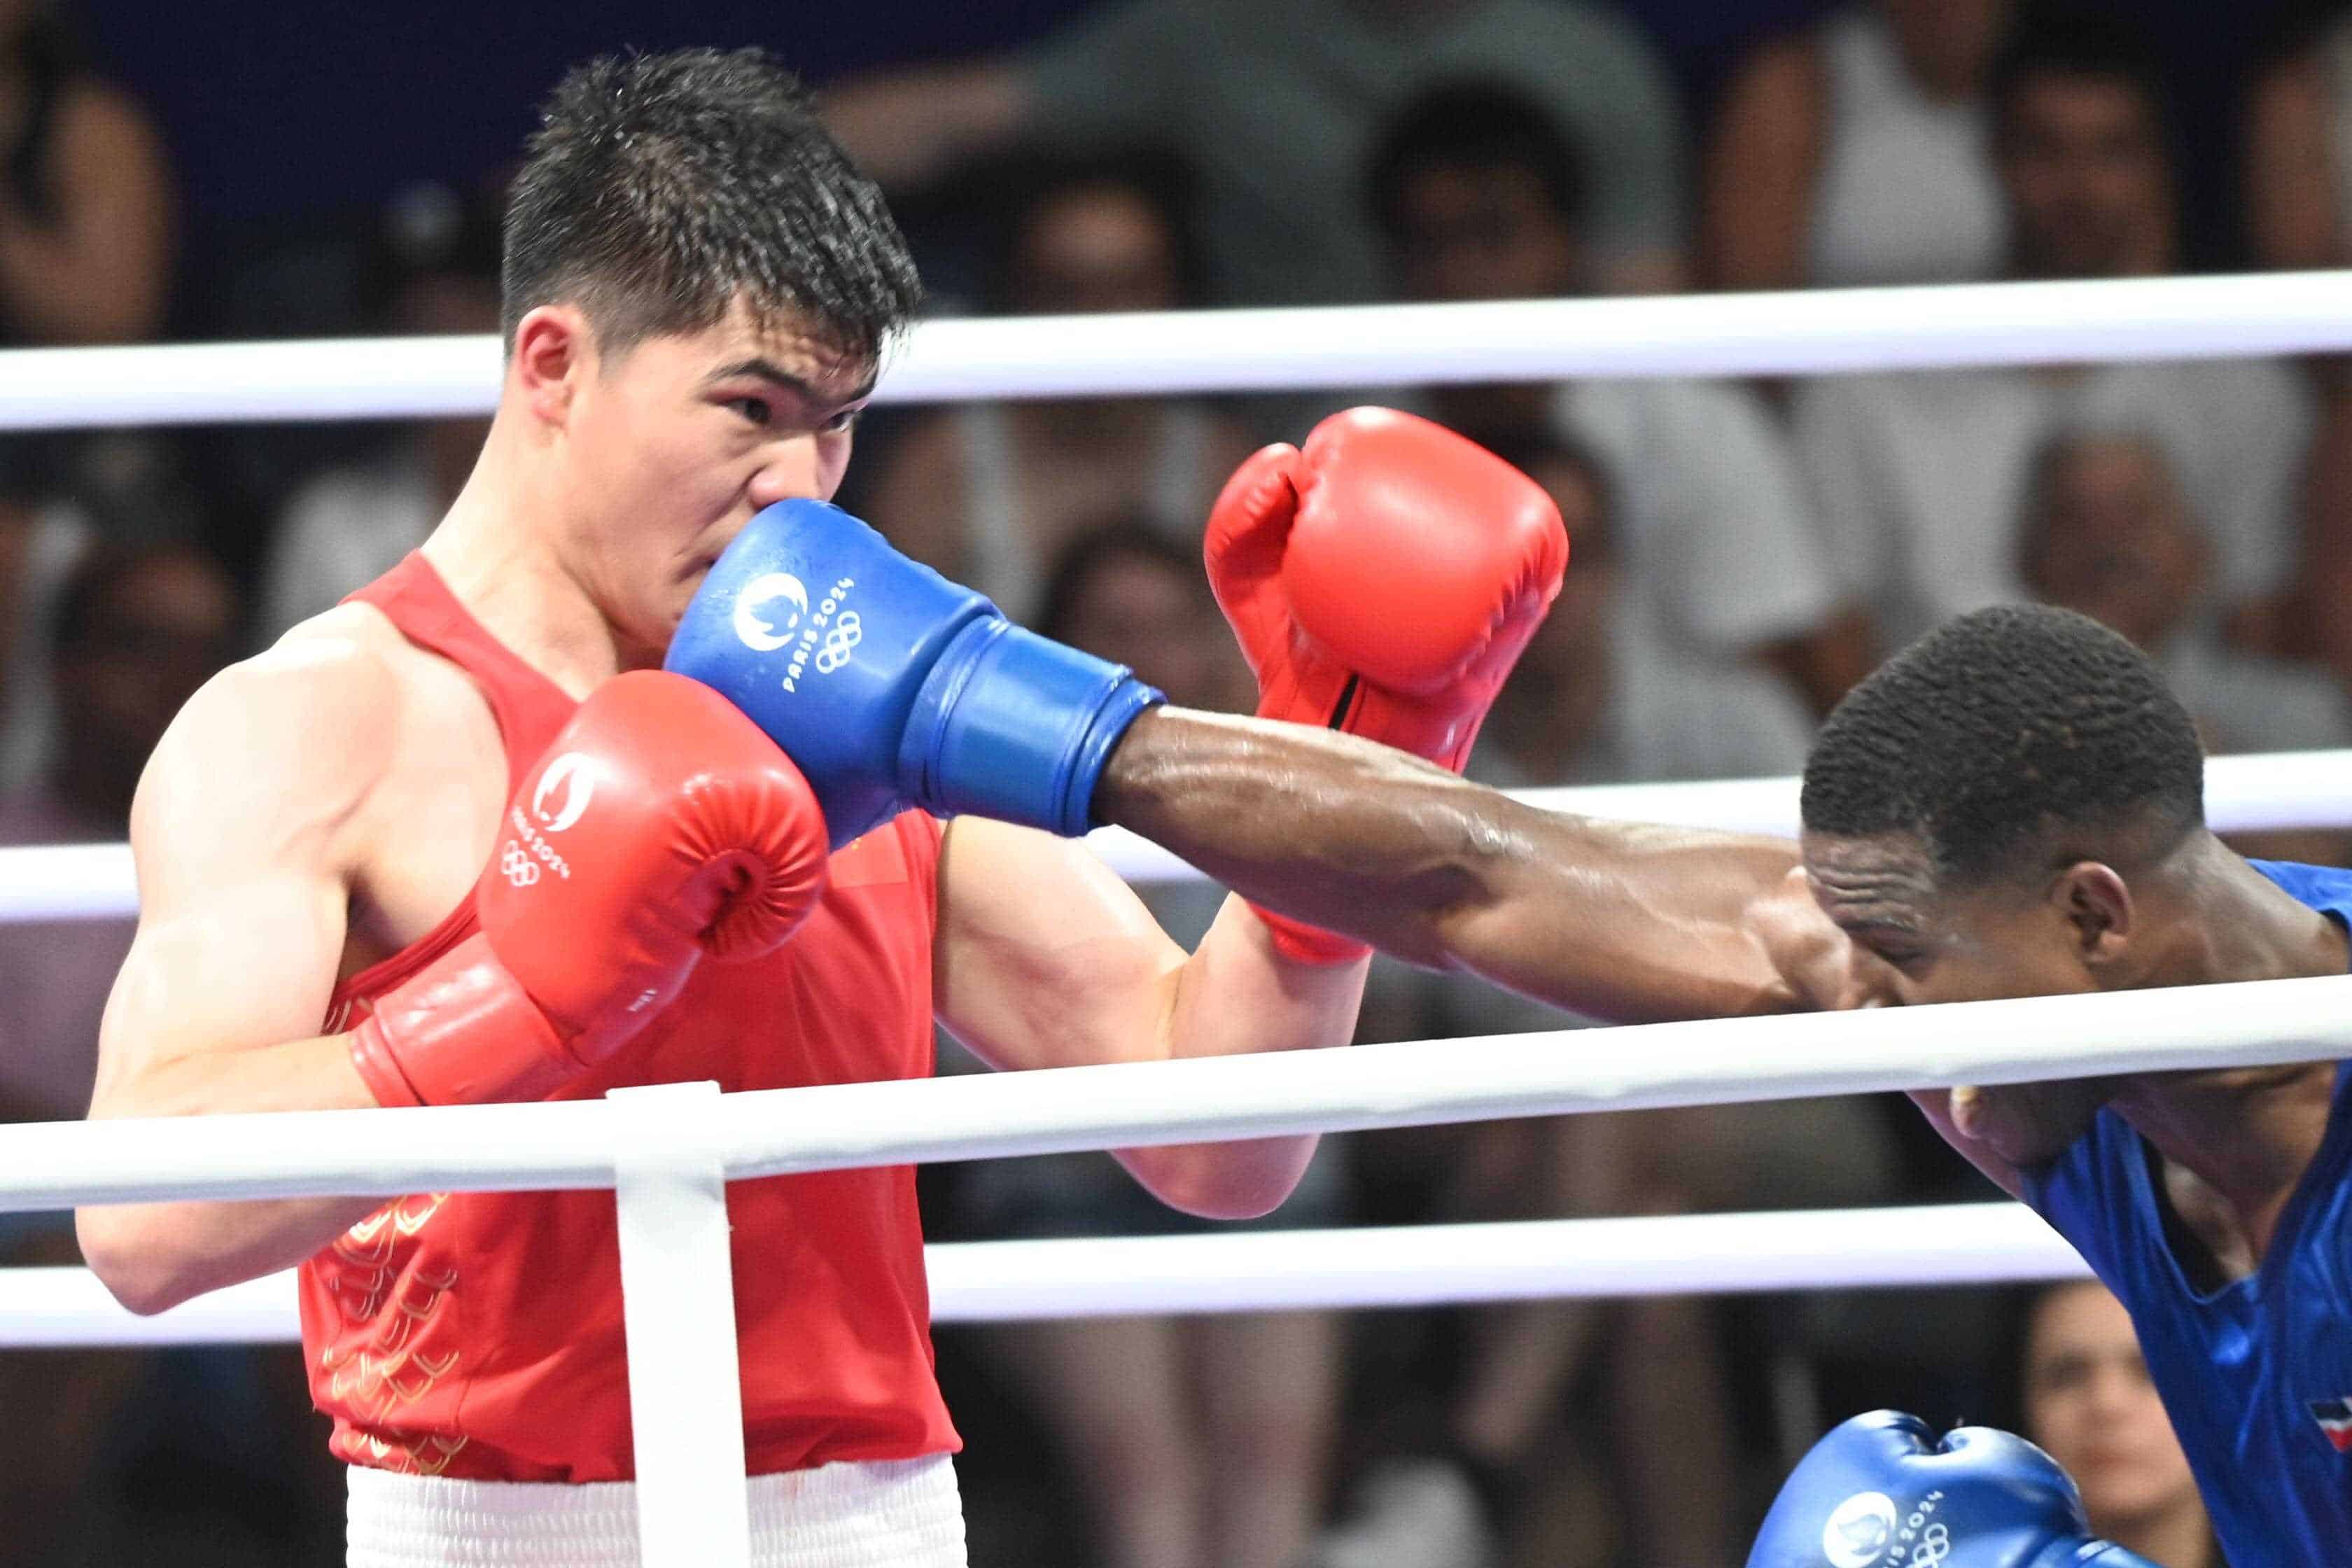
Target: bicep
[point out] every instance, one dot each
(254, 965)
(1043, 956)
(243, 891)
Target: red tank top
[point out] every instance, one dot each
(479, 1335)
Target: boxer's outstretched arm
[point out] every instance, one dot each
(1620, 921)
(1629, 922)
(237, 833)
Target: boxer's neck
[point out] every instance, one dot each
(497, 548)
(2249, 1134)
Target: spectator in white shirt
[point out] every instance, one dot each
(1920, 479)
(1853, 153)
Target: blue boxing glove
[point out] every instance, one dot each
(1880, 1492)
(891, 687)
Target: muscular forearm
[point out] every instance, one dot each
(1615, 919)
(155, 1256)
(1237, 996)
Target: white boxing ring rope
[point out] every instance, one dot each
(666, 1151)
(2254, 793)
(1275, 1270)
(767, 1132)
(1806, 333)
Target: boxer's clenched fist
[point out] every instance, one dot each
(1882, 1491)
(1382, 580)
(660, 827)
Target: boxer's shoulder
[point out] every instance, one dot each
(305, 739)
(305, 720)
(354, 658)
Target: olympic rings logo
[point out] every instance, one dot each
(1935, 1546)
(840, 640)
(518, 869)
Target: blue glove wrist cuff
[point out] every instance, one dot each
(2076, 1555)
(1012, 725)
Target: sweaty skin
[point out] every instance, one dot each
(1634, 922)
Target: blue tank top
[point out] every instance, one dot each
(2257, 1376)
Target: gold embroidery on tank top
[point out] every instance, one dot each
(425, 1455)
(365, 1272)
(372, 1251)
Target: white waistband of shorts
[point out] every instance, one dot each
(890, 1513)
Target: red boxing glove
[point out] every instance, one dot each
(1383, 582)
(661, 825)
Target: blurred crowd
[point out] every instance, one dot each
(1743, 553)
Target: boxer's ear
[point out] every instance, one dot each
(551, 354)
(2098, 908)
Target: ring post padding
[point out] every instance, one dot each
(678, 1302)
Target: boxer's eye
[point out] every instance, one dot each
(1896, 955)
(843, 422)
(755, 409)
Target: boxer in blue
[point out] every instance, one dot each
(2013, 806)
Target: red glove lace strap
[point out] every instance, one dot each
(1304, 943)
(1296, 940)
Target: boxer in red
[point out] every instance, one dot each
(457, 841)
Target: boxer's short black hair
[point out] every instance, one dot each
(1471, 125)
(660, 189)
(2017, 728)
